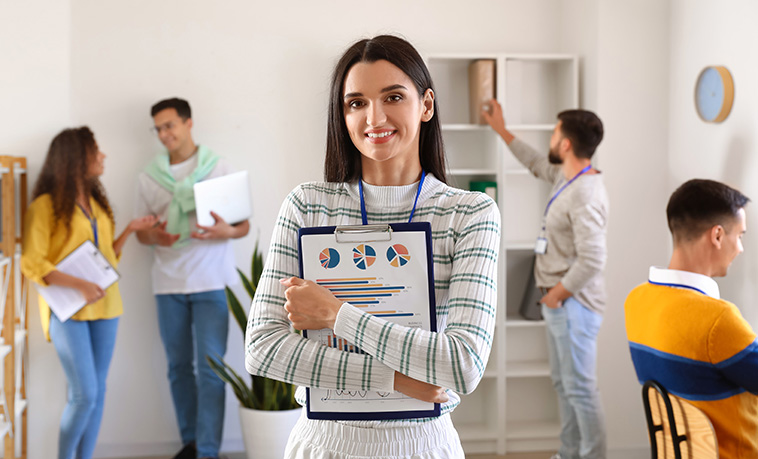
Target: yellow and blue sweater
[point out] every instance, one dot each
(701, 349)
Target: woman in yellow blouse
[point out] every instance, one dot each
(69, 207)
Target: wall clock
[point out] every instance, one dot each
(714, 94)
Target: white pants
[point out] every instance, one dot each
(317, 439)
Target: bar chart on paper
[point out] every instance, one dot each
(389, 280)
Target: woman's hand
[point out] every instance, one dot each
(92, 292)
(309, 305)
(142, 223)
(419, 390)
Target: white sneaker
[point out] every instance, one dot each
(555, 456)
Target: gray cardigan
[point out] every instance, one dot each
(575, 230)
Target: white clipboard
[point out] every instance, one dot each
(387, 271)
(85, 262)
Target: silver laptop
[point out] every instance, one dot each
(228, 196)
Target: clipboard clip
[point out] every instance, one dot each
(363, 233)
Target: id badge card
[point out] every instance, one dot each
(541, 246)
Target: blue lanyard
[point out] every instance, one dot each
(560, 190)
(415, 201)
(93, 222)
(678, 286)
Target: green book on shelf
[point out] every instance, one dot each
(487, 187)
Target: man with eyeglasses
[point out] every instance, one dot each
(190, 270)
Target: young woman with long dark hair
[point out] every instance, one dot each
(384, 147)
(69, 206)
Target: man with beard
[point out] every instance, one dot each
(571, 253)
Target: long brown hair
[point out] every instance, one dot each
(343, 160)
(65, 170)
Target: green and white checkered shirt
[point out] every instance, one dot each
(466, 240)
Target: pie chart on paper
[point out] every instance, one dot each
(329, 258)
(398, 255)
(364, 256)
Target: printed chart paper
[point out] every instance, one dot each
(85, 262)
(388, 279)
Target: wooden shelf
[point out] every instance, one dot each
(13, 189)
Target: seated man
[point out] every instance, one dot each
(683, 335)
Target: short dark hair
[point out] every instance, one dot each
(584, 129)
(343, 160)
(700, 204)
(181, 106)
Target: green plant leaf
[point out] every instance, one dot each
(236, 309)
(246, 283)
(262, 393)
(227, 374)
(256, 267)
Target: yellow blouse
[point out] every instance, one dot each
(46, 243)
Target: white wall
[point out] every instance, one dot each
(632, 91)
(34, 96)
(703, 33)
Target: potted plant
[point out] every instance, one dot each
(268, 410)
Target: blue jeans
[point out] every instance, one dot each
(198, 399)
(85, 349)
(572, 345)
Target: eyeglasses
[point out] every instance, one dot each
(163, 127)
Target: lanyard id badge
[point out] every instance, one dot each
(540, 247)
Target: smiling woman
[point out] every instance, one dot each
(384, 149)
(70, 207)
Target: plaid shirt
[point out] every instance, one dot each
(466, 239)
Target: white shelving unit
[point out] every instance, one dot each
(515, 407)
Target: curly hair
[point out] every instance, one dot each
(65, 171)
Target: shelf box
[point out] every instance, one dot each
(472, 149)
(476, 432)
(532, 429)
(476, 410)
(451, 81)
(524, 202)
(525, 344)
(537, 89)
(530, 401)
(518, 272)
(527, 369)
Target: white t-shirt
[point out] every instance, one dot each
(199, 266)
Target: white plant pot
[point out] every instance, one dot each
(265, 433)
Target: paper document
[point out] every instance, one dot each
(391, 279)
(85, 262)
